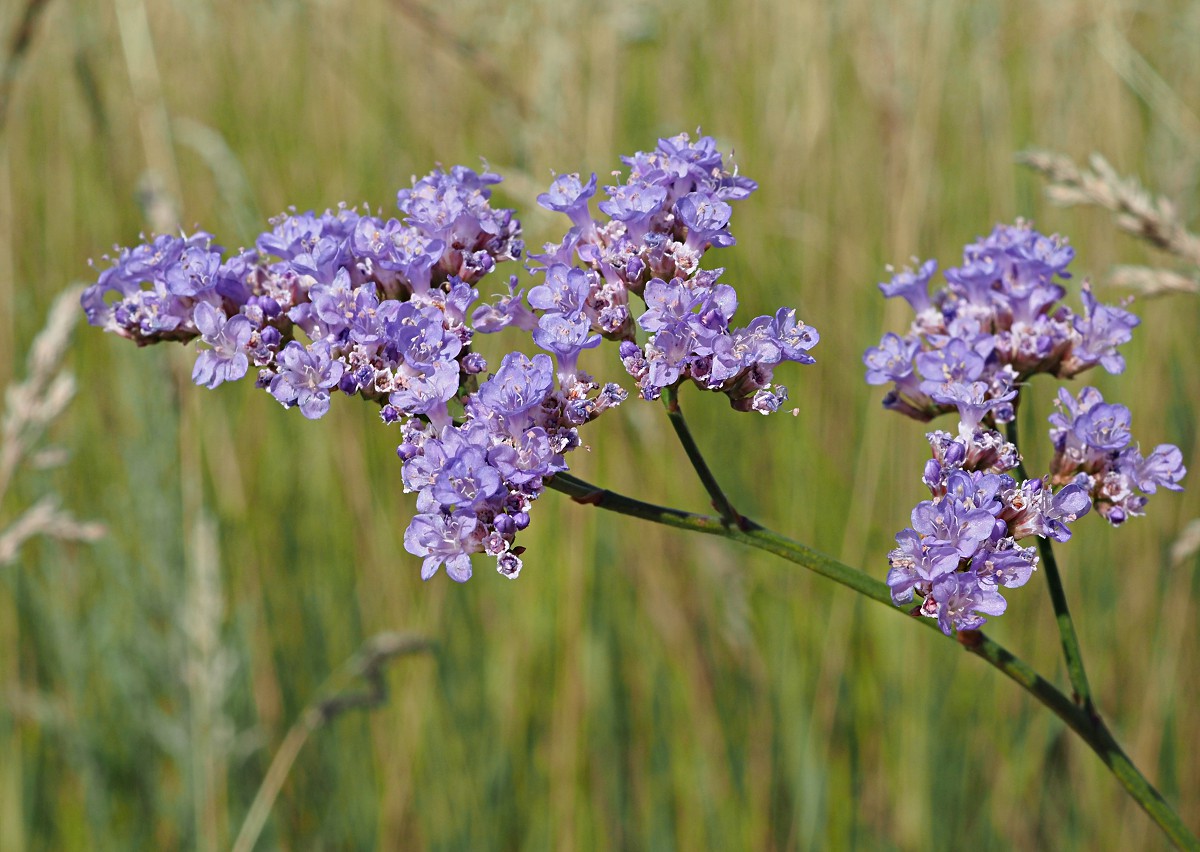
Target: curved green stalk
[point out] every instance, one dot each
(720, 502)
(1083, 720)
(1072, 652)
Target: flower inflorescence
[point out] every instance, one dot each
(963, 543)
(673, 207)
(971, 347)
(1093, 449)
(387, 310)
(996, 323)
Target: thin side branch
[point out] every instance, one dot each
(720, 502)
(1072, 652)
(1084, 722)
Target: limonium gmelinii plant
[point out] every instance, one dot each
(387, 309)
(348, 302)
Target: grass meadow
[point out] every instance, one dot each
(636, 688)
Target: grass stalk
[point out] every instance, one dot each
(366, 665)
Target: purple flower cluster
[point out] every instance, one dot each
(475, 482)
(347, 302)
(996, 322)
(963, 543)
(993, 326)
(386, 310)
(382, 304)
(673, 207)
(1093, 449)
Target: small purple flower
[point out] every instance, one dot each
(678, 157)
(1102, 329)
(520, 384)
(339, 303)
(566, 337)
(634, 204)
(194, 272)
(792, 336)
(955, 361)
(973, 401)
(1068, 504)
(507, 310)
(305, 377)
(441, 539)
(665, 360)
(767, 400)
(426, 390)
(1003, 562)
(912, 286)
(1103, 428)
(961, 601)
(466, 481)
(419, 337)
(974, 489)
(706, 219)
(508, 563)
(473, 364)
(891, 361)
(263, 345)
(227, 360)
(959, 525)
(1163, 467)
(527, 458)
(669, 305)
(568, 195)
(916, 563)
(565, 290)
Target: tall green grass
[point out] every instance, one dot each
(635, 688)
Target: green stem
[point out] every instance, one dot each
(1062, 613)
(1082, 720)
(720, 502)
(1086, 722)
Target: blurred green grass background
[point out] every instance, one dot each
(636, 688)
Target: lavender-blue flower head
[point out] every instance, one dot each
(972, 343)
(149, 292)
(386, 309)
(999, 312)
(382, 304)
(671, 210)
(969, 530)
(1095, 452)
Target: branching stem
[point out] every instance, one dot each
(720, 502)
(1062, 613)
(1080, 718)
